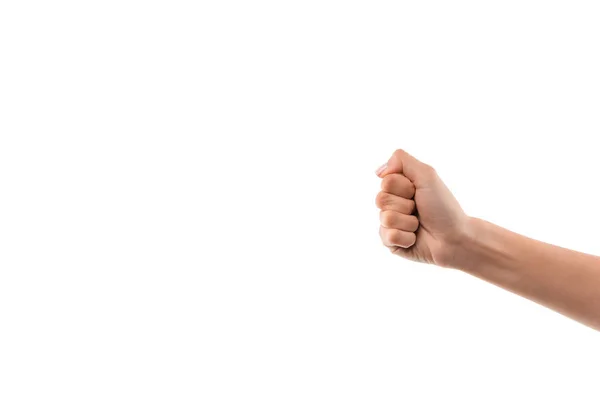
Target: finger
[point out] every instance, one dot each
(395, 237)
(399, 185)
(403, 163)
(396, 220)
(386, 201)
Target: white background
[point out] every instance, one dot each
(187, 196)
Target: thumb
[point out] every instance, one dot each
(403, 163)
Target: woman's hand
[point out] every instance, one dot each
(420, 218)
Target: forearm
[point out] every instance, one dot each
(563, 280)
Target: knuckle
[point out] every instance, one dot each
(399, 238)
(387, 219)
(377, 201)
(386, 201)
(413, 223)
(391, 236)
(398, 185)
(381, 200)
(405, 239)
(387, 183)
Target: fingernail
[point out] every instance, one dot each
(381, 169)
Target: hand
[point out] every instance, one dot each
(420, 218)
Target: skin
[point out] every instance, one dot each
(422, 221)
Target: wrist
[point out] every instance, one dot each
(474, 245)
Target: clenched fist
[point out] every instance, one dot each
(420, 218)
